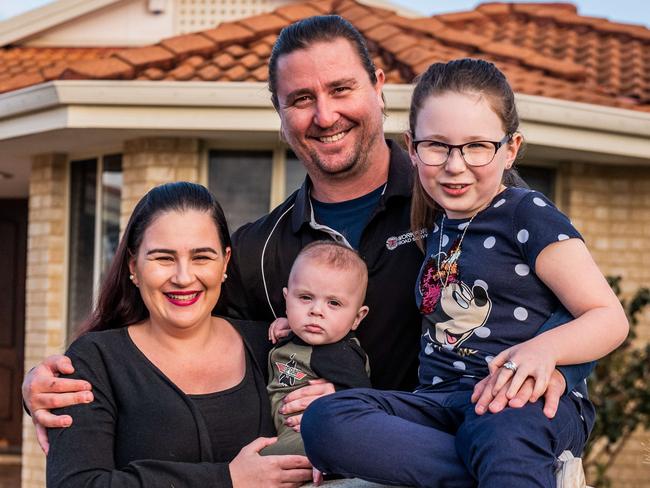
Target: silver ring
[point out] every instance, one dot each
(511, 365)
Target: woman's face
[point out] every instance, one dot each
(458, 118)
(179, 268)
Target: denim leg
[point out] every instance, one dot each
(519, 446)
(387, 437)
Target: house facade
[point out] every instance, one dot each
(95, 110)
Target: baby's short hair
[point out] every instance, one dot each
(338, 256)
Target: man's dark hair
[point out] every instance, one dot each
(305, 32)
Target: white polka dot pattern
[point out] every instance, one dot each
(522, 269)
(460, 365)
(489, 242)
(483, 332)
(562, 237)
(499, 203)
(521, 313)
(539, 202)
(522, 236)
(482, 284)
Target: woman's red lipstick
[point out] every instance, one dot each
(183, 298)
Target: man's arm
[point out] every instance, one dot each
(44, 390)
(563, 380)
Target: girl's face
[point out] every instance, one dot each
(458, 118)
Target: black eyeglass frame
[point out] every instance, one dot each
(450, 147)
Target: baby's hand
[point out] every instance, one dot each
(534, 358)
(278, 329)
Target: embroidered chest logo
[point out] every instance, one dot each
(289, 373)
(394, 241)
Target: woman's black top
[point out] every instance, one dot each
(142, 430)
(228, 424)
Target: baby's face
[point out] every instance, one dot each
(323, 303)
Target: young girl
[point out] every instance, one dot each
(498, 260)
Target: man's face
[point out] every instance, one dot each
(331, 112)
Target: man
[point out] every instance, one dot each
(328, 95)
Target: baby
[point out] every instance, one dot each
(324, 298)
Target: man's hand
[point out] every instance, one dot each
(278, 329)
(43, 390)
(250, 470)
(485, 399)
(298, 400)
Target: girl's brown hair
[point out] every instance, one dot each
(461, 76)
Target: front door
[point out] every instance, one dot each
(13, 248)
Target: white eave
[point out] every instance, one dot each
(40, 19)
(246, 107)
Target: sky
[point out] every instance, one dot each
(627, 11)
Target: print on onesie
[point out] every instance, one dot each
(452, 309)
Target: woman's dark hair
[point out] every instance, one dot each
(305, 32)
(119, 303)
(461, 76)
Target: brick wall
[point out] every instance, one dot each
(46, 292)
(149, 162)
(611, 208)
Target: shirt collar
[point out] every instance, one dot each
(400, 184)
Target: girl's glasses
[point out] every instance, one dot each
(475, 153)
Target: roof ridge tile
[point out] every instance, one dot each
(111, 68)
(189, 44)
(146, 57)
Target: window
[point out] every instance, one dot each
(294, 174)
(95, 198)
(241, 181)
(540, 179)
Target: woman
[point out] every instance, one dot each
(180, 397)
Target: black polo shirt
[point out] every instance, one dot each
(263, 252)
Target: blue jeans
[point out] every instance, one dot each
(433, 438)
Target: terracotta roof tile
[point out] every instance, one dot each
(228, 32)
(20, 81)
(355, 12)
(209, 73)
(382, 32)
(189, 44)
(401, 42)
(460, 38)
(224, 61)
(323, 6)
(415, 55)
(236, 73)
(183, 72)
(297, 11)
(264, 23)
(452, 18)
(496, 8)
(109, 68)
(545, 49)
(382, 12)
(369, 22)
(236, 50)
(153, 74)
(426, 26)
(262, 49)
(533, 8)
(261, 73)
(251, 61)
(145, 57)
(53, 72)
